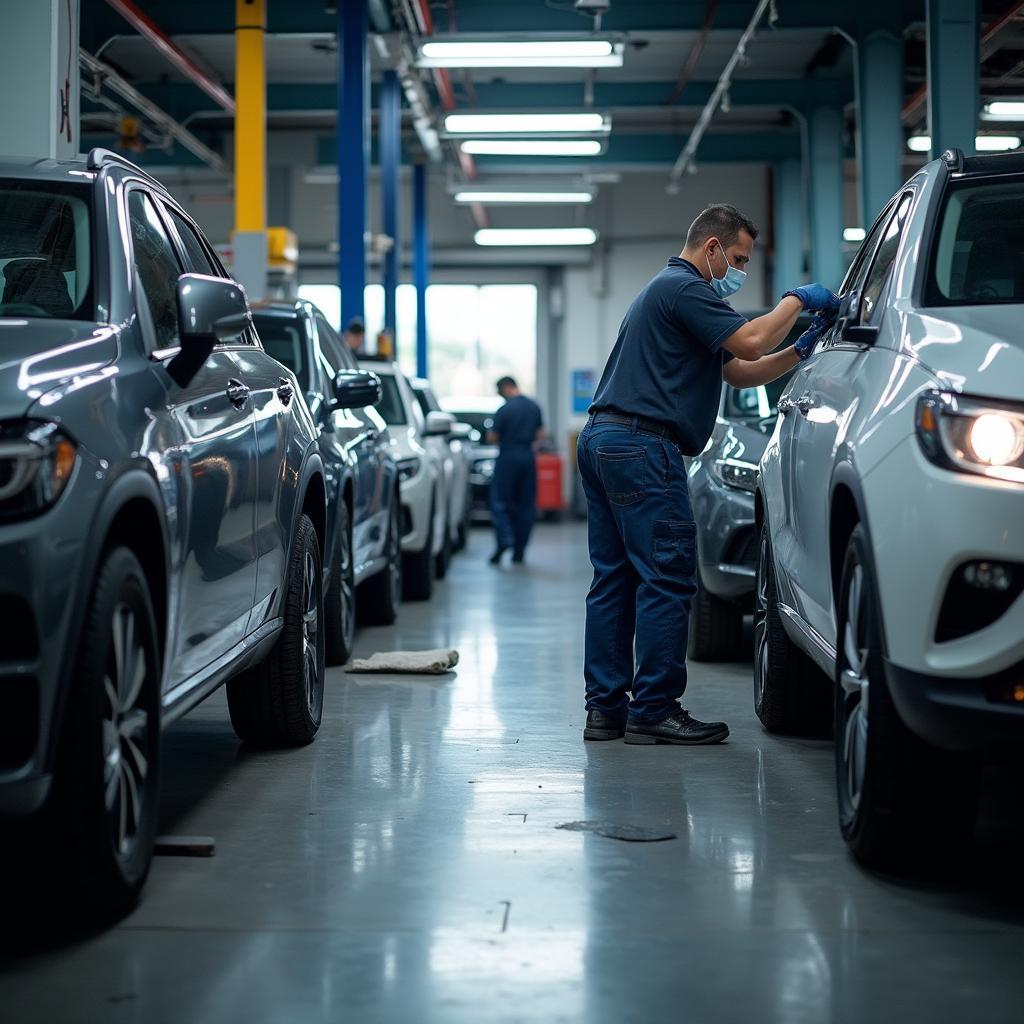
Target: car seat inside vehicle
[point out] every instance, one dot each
(38, 283)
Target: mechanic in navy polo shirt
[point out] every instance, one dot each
(656, 402)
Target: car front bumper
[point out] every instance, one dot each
(726, 538)
(41, 562)
(417, 500)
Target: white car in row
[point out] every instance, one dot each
(421, 450)
(890, 504)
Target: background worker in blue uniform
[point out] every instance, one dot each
(516, 429)
(655, 403)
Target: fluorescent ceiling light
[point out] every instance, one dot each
(854, 234)
(585, 123)
(523, 198)
(535, 236)
(532, 147)
(982, 144)
(523, 53)
(1004, 110)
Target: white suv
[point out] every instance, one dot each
(891, 513)
(420, 446)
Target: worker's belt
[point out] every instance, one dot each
(646, 425)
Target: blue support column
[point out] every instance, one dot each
(353, 154)
(789, 206)
(953, 27)
(421, 264)
(825, 127)
(390, 163)
(879, 128)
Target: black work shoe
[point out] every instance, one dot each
(601, 726)
(495, 559)
(517, 557)
(680, 728)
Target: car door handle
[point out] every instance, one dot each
(285, 391)
(238, 393)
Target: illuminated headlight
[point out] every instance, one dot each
(36, 460)
(972, 435)
(483, 470)
(408, 468)
(735, 473)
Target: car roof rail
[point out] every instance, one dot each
(99, 158)
(954, 159)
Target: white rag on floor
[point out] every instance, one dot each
(434, 663)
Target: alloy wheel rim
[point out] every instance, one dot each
(395, 555)
(348, 588)
(310, 631)
(761, 620)
(125, 731)
(855, 682)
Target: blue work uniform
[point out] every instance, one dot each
(656, 402)
(514, 484)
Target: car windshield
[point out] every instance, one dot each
(45, 250)
(481, 422)
(390, 406)
(979, 249)
(282, 338)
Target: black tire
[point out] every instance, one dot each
(716, 628)
(280, 701)
(381, 595)
(418, 566)
(792, 695)
(340, 599)
(101, 823)
(444, 556)
(901, 801)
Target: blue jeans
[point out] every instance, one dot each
(643, 548)
(514, 498)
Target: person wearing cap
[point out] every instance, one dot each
(355, 335)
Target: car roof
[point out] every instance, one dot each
(983, 165)
(279, 309)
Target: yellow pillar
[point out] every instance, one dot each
(250, 237)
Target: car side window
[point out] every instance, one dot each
(196, 258)
(333, 349)
(885, 257)
(157, 266)
(855, 275)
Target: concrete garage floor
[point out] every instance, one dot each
(407, 866)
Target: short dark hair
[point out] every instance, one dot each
(355, 326)
(720, 221)
(506, 382)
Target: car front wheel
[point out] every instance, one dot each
(716, 628)
(280, 701)
(791, 695)
(418, 566)
(901, 801)
(340, 600)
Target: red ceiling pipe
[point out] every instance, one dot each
(147, 28)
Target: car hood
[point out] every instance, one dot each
(973, 349)
(37, 356)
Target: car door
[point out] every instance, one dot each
(824, 403)
(365, 428)
(214, 459)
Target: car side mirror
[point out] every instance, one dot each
(439, 424)
(850, 328)
(462, 431)
(211, 311)
(356, 389)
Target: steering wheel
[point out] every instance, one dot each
(22, 309)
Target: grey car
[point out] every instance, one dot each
(162, 514)
(722, 481)
(363, 553)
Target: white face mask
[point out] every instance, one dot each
(731, 283)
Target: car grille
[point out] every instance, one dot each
(19, 719)
(18, 636)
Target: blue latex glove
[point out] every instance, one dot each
(804, 345)
(816, 296)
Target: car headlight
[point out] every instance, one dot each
(408, 467)
(483, 469)
(735, 473)
(36, 460)
(972, 435)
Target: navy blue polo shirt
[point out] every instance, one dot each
(668, 358)
(516, 423)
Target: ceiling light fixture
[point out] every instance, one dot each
(982, 144)
(522, 198)
(535, 236)
(581, 123)
(521, 53)
(531, 147)
(854, 234)
(1004, 110)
